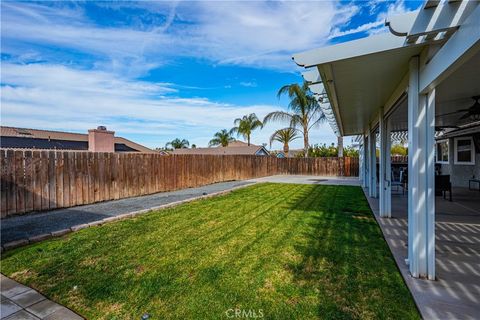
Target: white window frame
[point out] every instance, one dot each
(472, 155)
(436, 152)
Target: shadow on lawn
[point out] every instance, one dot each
(346, 259)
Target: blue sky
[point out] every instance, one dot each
(154, 71)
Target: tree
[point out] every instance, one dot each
(221, 138)
(323, 151)
(284, 136)
(351, 152)
(399, 150)
(246, 125)
(305, 112)
(177, 144)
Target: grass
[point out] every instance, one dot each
(280, 251)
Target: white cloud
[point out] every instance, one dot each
(249, 84)
(56, 97)
(255, 33)
(60, 98)
(375, 27)
(364, 27)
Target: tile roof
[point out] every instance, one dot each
(62, 140)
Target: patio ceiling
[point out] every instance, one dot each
(359, 76)
(453, 94)
(363, 84)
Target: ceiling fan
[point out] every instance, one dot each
(473, 112)
(443, 128)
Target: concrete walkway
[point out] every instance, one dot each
(33, 225)
(303, 179)
(19, 302)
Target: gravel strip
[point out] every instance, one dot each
(33, 227)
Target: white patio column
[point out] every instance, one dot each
(421, 171)
(340, 146)
(388, 168)
(372, 191)
(385, 167)
(367, 162)
(360, 163)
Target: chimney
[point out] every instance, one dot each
(101, 140)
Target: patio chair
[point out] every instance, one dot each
(399, 182)
(442, 185)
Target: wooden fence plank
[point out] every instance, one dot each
(66, 179)
(3, 182)
(52, 180)
(72, 178)
(44, 180)
(11, 187)
(29, 188)
(59, 179)
(37, 181)
(19, 181)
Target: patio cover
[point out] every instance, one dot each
(355, 79)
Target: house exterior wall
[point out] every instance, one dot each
(460, 173)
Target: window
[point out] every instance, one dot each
(464, 151)
(442, 151)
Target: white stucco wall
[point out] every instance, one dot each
(460, 174)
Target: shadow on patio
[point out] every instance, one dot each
(456, 293)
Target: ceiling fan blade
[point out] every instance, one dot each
(450, 113)
(438, 128)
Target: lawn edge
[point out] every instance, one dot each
(59, 233)
(397, 263)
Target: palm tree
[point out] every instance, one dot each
(245, 125)
(305, 112)
(221, 138)
(284, 136)
(177, 144)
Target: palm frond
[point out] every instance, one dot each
(285, 135)
(278, 116)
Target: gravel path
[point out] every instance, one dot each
(26, 226)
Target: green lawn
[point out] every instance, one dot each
(283, 251)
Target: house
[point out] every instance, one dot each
(233, 148)
(420, 76)
(96, 140)
(457, 153)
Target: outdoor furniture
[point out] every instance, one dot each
(442, 185)
(474, 181)
(399, 182)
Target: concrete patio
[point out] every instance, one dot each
(19, 302)
(456, 292)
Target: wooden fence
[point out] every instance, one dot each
(45, 180)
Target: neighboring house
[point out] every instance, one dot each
(278, 154)
(97, 140)
(296, 153)
(421, 75)
(238, 143)
(234, 148)
(458, 154)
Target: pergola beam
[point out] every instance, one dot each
(431, 4)
(461, 46)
